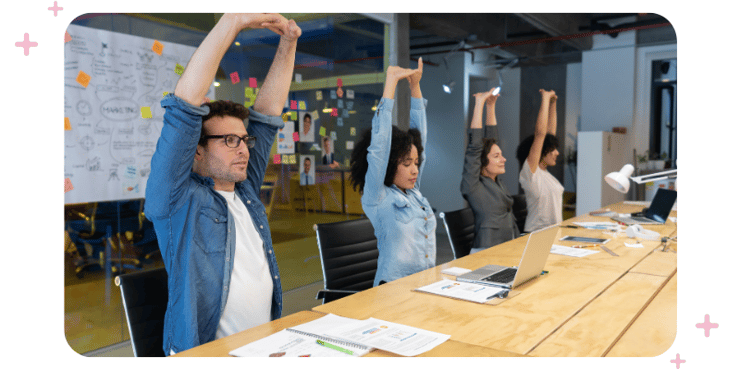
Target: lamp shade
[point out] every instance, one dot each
(620, 180)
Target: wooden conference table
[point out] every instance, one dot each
(598, 305)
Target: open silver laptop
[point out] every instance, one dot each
(658, 212)
(533, 260)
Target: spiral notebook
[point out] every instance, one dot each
(301, 341)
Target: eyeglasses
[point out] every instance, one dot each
(233, 141)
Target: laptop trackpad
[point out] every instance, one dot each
(482, 272)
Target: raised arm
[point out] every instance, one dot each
(552, 118)
(540, 130)
(201, 69)
(271, 97)
(471, 167)
(380, 143)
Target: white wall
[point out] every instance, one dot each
(572, 121)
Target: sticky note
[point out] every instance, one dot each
(302, 105)
(340, 92)
(157, 47)
(350, 94)
(83, 79)
(146, 112)
(179, 69)
(286, 116)
(340, 121)
(165, 94)
(234, 77)
(322, 131)
(294, 115)
(67, 37)
(339, 82)
(67, 185)
(67, 125)
(334, 112)
(276, 159)
(319, 96)
(340, 103)
(248, 91)
(352, 131)
(333, 135)
(291, 158)
(350, 145)
(296, 137)
(248, 102)
(333, 94)
(293, 104)
(298, 78)
(252, 82)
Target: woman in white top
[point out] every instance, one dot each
(543, 191)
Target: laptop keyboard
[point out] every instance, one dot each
(503, 276)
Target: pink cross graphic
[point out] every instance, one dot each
(55, 8)
(678, 361)
(26, 44)
(706, 325)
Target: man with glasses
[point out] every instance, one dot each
(203, 193)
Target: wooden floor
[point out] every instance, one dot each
(94, 321)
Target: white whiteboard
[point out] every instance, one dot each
(108, 151)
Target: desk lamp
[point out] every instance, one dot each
(620, 180)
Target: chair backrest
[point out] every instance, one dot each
(349, 254)
(460, 226)
(144, 295)
(520, 211)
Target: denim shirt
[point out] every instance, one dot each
(194, 227)
(404, 223)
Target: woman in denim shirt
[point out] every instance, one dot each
(386, 166)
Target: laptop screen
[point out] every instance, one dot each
(662, 204)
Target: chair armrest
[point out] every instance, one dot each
(332, 294)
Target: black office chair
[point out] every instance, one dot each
(520, 211)
(144, 295)
(460, 226)
(349, 257)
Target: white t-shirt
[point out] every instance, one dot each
(544, 196)
(250, 291)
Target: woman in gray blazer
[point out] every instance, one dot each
(481, 185)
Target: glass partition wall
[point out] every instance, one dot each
(338, 82)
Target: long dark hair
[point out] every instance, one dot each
(522, 151)
(401, 142)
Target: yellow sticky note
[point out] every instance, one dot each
(294, 115)
(248, 103)
(302, 105)
(67, 125)
(165, 93)
(146, 112)
(248, 91)
(319, 95)
(286, 117)
(322, 131)
(179, 69)
(83, 79)
(157, 47)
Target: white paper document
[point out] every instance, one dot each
(455, 271)
(461, 290)
(598, 225)
(300, 341)
(571, 252)
(399, 339)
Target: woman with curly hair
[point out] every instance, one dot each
(386, 165)
(481, 184)
(543, 191)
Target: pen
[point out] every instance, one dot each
(502, 294)
(340, 349)
(585, 246)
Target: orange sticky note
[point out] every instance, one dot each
(146, 112)
(252, 82)
(83, 79)
(67, 125)
(157, 47)
(67, 37)
(67, 185)
(276, 159)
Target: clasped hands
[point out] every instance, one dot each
(272, 21)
